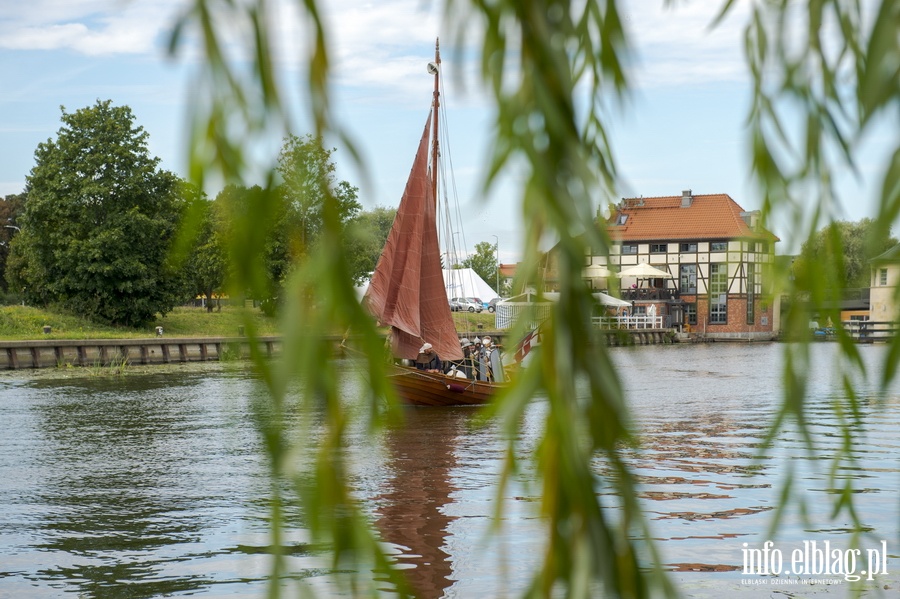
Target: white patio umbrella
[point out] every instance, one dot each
(645, 271)
(596, 271)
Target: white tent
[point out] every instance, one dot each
(465, 282)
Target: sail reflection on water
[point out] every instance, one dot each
(412, 513)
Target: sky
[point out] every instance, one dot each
(683, 127)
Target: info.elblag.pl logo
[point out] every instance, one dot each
(816, 559)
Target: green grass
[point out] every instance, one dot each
(26, 322)
(467, 322)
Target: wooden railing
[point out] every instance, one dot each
(871, 330)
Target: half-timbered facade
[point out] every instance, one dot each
(715, 254)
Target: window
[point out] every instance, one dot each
(718, 246)
(658, 248)
(629, 248)
(688, 247)
(718, 278)
(718, 310)
(882, 277)
(688, 278)
(620, 220)
(690, 313)
(751, 292)
(718, 293)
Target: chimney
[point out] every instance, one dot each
(686, 198)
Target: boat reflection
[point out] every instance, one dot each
(412, 509)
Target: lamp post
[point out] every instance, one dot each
(497, 271)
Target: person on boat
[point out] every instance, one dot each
(491, 367)
(462, 368)
(475, 355)
(428, 360)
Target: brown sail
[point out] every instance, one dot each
(407, 289)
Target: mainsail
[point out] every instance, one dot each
(407, 289)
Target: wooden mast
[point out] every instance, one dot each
(437, 103)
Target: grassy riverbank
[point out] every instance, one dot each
(26, 322)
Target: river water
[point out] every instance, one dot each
(155, 484)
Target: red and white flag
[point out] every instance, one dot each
(532, 339)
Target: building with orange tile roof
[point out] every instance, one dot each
(715, 256)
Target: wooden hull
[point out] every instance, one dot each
(430, 389)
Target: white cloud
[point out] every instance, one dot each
(89, 27)
(381, 47)
(376, 45)
(677, 46)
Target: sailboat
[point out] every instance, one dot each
(407, 291)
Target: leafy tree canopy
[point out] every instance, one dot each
(10, 208)
(367, 234)
(205, 265)
(851, 244)
(306, 167)
(98, 221)
(484, 263)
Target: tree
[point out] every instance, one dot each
(484, 262)
(292, 214)
(98, 221)
(366, 236)
(307, 170)
(10, 208)
(257, 259)
(851, 244)
(205, 268)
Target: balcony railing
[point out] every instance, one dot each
(649, 294)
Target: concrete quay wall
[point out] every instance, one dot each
(50, 353)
